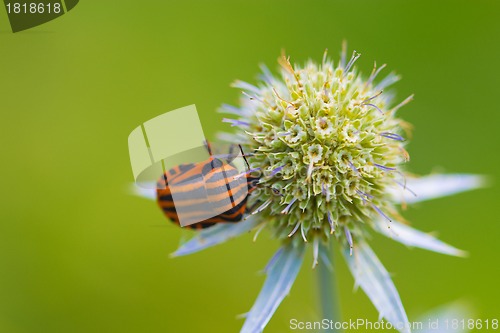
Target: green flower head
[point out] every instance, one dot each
(328, 143)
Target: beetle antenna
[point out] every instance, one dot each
(243, 154)
(207, 145)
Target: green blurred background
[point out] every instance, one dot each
(79, 254)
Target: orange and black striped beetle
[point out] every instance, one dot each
(218, 182)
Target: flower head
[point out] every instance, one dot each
(329, 140)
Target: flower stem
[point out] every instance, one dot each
(327, 291)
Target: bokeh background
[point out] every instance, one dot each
(80, 254)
